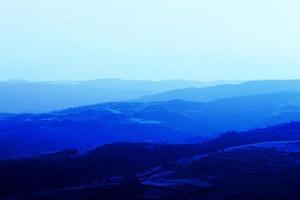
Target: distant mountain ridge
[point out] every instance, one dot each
(18, 96)
(225, 91)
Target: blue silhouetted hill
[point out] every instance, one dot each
(157, 122)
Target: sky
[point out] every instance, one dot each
(203, 40)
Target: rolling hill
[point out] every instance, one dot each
(237, 165)
(158, 122)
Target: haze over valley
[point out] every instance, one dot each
(149, 100)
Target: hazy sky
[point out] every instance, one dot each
(149, 39)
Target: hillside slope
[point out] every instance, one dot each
(158, 122)
(237, 165)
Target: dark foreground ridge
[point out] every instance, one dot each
(258, 164)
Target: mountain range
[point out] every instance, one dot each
(35, 97)
(226, 91)
(203, 141)
(159, 122)
(18, 96)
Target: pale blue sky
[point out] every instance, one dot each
(149, 39)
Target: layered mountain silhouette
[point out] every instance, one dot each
(35, 97)
(233, 141)
(160, 122)
(19, 96)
